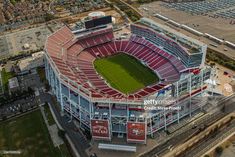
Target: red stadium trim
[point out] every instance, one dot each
(73, 56)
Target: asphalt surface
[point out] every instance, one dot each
(18, 106)
(197, 148)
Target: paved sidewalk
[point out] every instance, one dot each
(53, 130)
(74, 147)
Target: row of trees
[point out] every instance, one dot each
(145, 1)
(133, 16)
(220, 59)
(42, 75)
(218, 151)
(6, 98)
(19, 55)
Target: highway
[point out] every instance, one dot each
(189, 132)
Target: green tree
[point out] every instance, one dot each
(49, 17)
(30, 90)
(219, 150)
(61, 134)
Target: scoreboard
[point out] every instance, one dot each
(98, 22)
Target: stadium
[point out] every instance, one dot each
(103, 81)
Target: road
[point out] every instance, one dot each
(190, 132)
(200, 148)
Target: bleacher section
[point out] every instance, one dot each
(85, 95)
(74, 59)
(155, 58)
(175, 61)
(168, 45)
(97, 38)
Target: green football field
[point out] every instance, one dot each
(125, 73)
(30, 135)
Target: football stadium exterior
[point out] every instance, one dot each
(82, 93)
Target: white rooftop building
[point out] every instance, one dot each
(31, 62)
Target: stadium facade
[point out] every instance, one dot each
(82, 93)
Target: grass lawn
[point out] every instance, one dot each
(30, 135)
(1, 88)
(5, 77)
(64, 151)
(50, 118)
(125, 73)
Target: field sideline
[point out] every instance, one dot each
(125, 73)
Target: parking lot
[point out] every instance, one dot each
(18, 107)
(214, 7)
(27, 102)
(216, 26)
(33, 38)
(4, 46)
(14, 43)
(31, 80)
